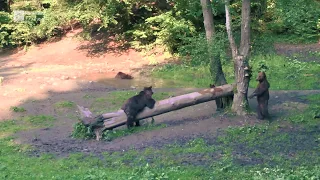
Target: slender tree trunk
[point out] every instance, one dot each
(207, 18)
(240, 58)
(245, 28)
(215, 62)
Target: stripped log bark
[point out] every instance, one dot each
(115, 119)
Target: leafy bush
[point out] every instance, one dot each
(82, 132)
(5, 17)
(196, 49)
(15, 34)
(170, 30)
(299, 18)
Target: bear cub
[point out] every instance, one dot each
(262, 93)
(136, 104)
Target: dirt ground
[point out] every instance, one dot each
(70, 69)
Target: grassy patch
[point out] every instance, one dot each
(87, 96)
(39, 120)
(306, 116)
(283, 73)
(64, 104)
(10, 126)
(17, 109)
(287, 73)
(28, 122)
(184, 76)
(259, 152)
(266, 151)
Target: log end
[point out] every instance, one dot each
(87, 121)
(84, 112)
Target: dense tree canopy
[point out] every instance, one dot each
(171, 23)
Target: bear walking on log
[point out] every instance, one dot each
(136, 104)
(262, 93)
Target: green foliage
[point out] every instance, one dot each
(170, 30)
(294, 74)
(14, 34)
(262, 67)
(299, 18)
(184, 75)
(306, 115)
(64, 104)
(17, 109)
(195, 50)
(39, 120)
(10, 126)
(25, 123)
(5, 17)
(265, 151)
(148, 172)
(82, 132)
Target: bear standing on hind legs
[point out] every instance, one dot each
(262, 93)
(136, 104)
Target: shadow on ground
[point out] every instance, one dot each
(102, 43)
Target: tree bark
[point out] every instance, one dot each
(215, 63)
(241, 68)
(119, 118)
(245, 28)
(207, 18)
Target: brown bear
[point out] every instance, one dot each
(121, 75)
(262, 93)
(136, 104)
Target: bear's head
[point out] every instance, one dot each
(148, 91)
(261, 76)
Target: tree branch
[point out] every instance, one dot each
(229, 30)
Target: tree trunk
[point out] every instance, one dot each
(207, 18)
(219, 80)
(119, 118)
(241, 68)
(215, 63)
(245, 28)
(240, 101)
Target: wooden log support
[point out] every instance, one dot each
(119, 118)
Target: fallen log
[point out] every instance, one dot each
(115, 119)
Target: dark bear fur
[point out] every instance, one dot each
(121, 75)
(136, 104)
(262, 93)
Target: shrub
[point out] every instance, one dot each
(170, 31)
(299, 18)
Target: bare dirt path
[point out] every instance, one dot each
(63, 66)
(70, 70)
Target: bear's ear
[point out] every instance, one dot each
(147, 88)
